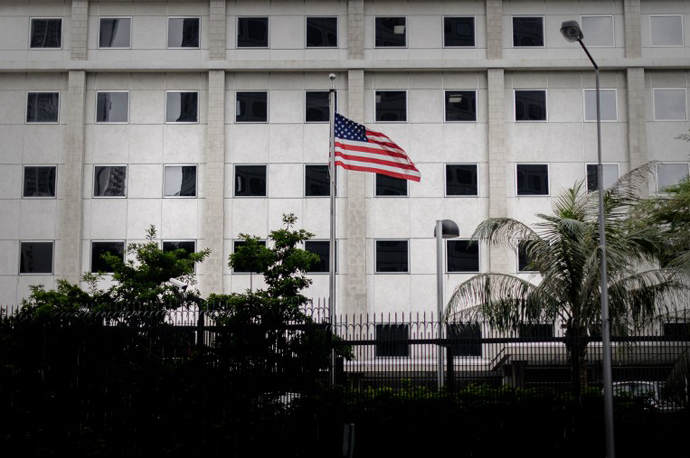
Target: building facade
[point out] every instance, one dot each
(209, 119)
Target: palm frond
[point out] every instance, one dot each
(503, 231)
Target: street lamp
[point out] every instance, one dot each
(572, 32)
(445, 229)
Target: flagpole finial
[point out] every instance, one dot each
(332, 78)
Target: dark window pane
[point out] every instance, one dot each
(183, 32)
(530, 105)
(180, 181)
(251, 107)
(458, 31)
(46, 33)
(322, 249)
(243, 268)
(392, 340)
(317, 109)
(98, 249)
(462, 256)
(390, 186)
(182, 107)
(250, 181)
(461, 106)
(465, 339)
(112, 107)
(461, 180)
(530, 330)
(532, 179)
(322, 32)
(39, 181)
(391, 256)
(390, 31)
(252, 32)
(316, 181)
(42, 106)
(524, 264)
(110, 181)
(114, 33)
(36, 258)
(189, 246)
(528, 31)
(391, 106)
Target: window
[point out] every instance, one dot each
(189, 246)
(680, 331)
(610, 176)
(322, 32)
(180, 181)
(391, 256)
(597, 30)
(608, 105)
(530, 105)
(530, 330)
(322, 249)
(390, 32)
(251, 107)
(392, 340)
(36, 257)
(458, 31)
(98, 249)
(42, 107)
(252, 32)
(523, 259)
(670, 104)
(114, 33)
(391, 106)
(669, 174)
(250, 181)
(182, 107)
(461, 180)
(390, 186)
(46, 33)
(183, 32)
(462, 256)
(317, 107)
(666, 30)
(532, 180)
(246, 268)
(110, 181)
(316, 181)
(39, 181)
(461, 106)
(112, 107)
(468, 337)
(528, 31)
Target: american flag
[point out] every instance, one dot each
(358, 148)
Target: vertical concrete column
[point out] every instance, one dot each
(70, 182)
(355, 29)
(79, 19)
(218, 28)
(494, 29)
(356, 283)
(499, 259)
(637, 119)
(214, 175)
(633, 37)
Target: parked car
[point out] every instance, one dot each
(650, 391)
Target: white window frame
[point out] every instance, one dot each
(26, 108)
(548, 173)
(304, 182)
(656, 173)
(445, 182)
(196, 181)
(268, 107)
(616, 164)
(234, 177)
(443, 34)
(324, 16)
(407, 106)
(268, 34)
(181, 240)
(52, 258)
(95, 115)
(40, 165)
(384, 196)
(198, 107)
(62, 33)
(479, 258)
(306, 91)
(543, 30)
(124, 251)
(167, 35)
(613, 29)
(309, 272)
(445, 107)
(407, 29)
(517, 264)
(376, 272)
(546, 105)
(93, 187)
(682, 31)
(98, 37)
(584, 104)
(685, 98)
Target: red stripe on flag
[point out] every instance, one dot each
(379, 171)
(354, 157)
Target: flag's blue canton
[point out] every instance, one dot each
(349, 130)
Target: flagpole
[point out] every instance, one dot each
(331, 246)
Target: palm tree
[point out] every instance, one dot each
(564, 249)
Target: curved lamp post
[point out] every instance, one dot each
(572, 32)
(445, 229)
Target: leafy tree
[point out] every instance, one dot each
(564, 248)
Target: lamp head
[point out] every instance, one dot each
(571, 31)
